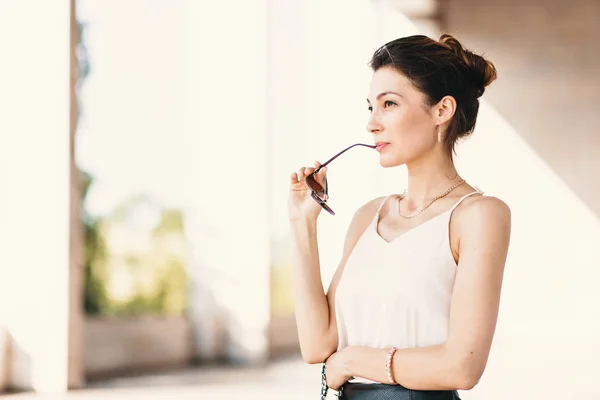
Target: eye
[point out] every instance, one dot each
(391, 103)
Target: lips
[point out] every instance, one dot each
(381, 145)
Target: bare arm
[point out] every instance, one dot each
(315, 310)
(484, 235)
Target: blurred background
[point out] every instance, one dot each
(146, 149)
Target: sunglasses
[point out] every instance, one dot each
(319, 193)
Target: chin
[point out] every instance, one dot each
(388, 162)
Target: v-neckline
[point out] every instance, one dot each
(376, 227)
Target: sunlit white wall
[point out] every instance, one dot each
(34, 175)
(131, 134)
(225, 126)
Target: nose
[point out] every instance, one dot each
(373, 125)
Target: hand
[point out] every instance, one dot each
(301, 206)
(335, 370)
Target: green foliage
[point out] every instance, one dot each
(167, 298)
(94, 295)
(151, 262)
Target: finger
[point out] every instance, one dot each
(301, 172)
(294, 178)
(308, 171)
(318, 166)
(321, 175)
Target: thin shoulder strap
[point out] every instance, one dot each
(477, 190)
(376, 216)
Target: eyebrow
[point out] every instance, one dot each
(380, 95)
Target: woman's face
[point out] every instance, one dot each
(401, 122)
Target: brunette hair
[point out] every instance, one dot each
(437, 69)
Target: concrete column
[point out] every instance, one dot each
(38, 281)
(75, 372)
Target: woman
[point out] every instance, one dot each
(411, 310)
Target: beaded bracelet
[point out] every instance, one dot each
(388, 365)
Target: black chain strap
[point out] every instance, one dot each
(325, 388)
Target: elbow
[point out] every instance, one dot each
(463, 373)
(315, 356)
(316, 352)
(467, 377)
(312, 359)
(466, 382)
(464, 368)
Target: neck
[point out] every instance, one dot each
(429, 177)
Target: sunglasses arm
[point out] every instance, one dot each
(340, 153)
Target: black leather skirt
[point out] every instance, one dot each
(376, 391)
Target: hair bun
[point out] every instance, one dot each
(483, 72)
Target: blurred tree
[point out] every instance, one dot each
(143, 271)
(94, 295)
(133, 263)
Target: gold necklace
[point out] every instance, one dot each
(420, 210)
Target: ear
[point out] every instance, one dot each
(444, 110)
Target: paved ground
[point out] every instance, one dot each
(287, 379)
(292, 379)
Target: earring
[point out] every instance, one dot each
(440, 134)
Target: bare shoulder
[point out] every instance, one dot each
(369, 209)
(483, 218)
(366, 212)
(361, 220)
(484, 209)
